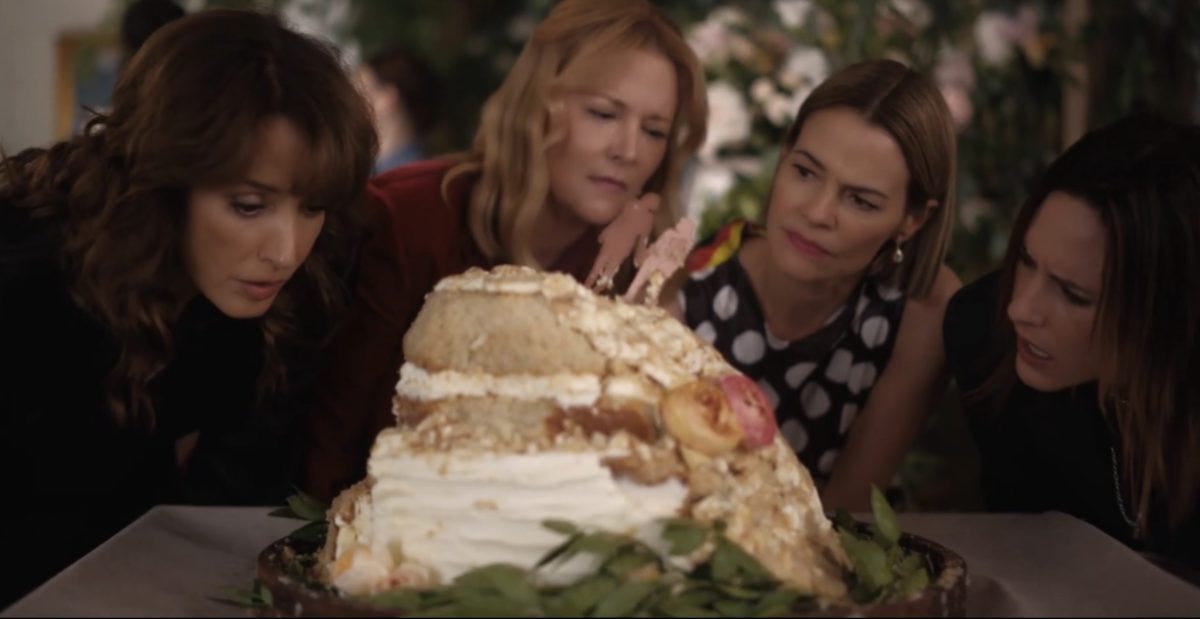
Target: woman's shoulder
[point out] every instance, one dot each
(972, 308)
(409, 203)
(932, 306)
(968, 327)
(417, 183)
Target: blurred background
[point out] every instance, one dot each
(1023, 80)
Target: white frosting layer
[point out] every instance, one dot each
(564, 388)
(452, 514)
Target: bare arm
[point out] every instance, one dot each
(911, 383)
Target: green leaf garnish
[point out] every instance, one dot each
(883, 568)
(307, 508)
(683, 536)
(561, 526)
(885, 518)
(623, 600)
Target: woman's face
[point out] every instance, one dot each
(1056, 288)
(243, 241)
(837, 198)
(616, 135)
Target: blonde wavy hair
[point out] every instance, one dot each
(523, 118)
(184, 114)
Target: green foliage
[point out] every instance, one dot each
(883, 568)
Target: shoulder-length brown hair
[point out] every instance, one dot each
(1141, 175)
(184, 114)
(910, 108)
(522, 119)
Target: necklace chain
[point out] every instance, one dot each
(1132, 522)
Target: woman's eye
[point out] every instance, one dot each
(314, 210)
(601, 114)
(657, 134)
(247, 207)
(1075, 298)
(860, 203)
(802, 171)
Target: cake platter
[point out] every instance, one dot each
(285, 570)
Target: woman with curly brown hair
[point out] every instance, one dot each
(162, 276)
(603, 106)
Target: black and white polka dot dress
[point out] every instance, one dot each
(817, 384)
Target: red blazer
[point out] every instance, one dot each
(417, 237)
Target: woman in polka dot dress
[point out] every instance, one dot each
(835, 304)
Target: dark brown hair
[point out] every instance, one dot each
(910, 108)
(184, 114)
(1141, 174)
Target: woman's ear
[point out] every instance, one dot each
(913, 220)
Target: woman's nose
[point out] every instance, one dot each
(623, 147)
(1025, 306)
(821, 207)
(280, 245)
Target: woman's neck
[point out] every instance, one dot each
(553, 233)
(792, 309)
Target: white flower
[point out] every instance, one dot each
(728, 16)
(728, 119)
(779, 109)
(804, 67)
(994, 37)
(709, 183)
(954, 69)
(915, 11)
(959, 104)
(793, 13)
(710, 40)
(1025, 24)
(743, 49)
(761, 90)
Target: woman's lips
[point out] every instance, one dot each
(260, 290)
(609, 183)
(1032, 354)
(805, 246)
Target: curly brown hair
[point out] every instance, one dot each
(184, 114)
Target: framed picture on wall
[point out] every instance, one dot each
(87, 66)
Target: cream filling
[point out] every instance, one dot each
(451, 514)
(565, 389)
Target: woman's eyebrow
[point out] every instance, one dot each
(816, 163)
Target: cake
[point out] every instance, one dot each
(525, 397)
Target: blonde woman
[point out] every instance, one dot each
(834, 305)
(604, 105)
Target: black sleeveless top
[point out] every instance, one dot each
(817, 384)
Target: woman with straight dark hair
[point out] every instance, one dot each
(1085, 398)
(832, 304)
(163, 275)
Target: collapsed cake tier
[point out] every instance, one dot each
(525, 397)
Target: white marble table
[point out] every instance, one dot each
(174, 562)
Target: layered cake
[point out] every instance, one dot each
(525, 397)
